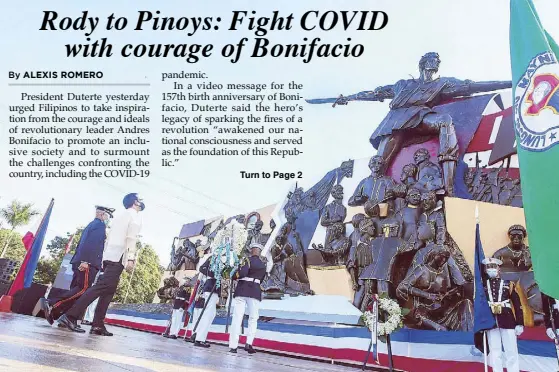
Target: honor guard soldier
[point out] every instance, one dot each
(86, 263)
(179, 304)
(204, 252)
(208, 313)
(550, 307)
(248, 294)
(505, 306)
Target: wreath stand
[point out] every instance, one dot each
(374, 337)
(390, 362)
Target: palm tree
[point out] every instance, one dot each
(16, 214)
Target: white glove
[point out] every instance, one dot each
(550, 333)
(518, 330)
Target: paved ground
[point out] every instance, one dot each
(30, 344)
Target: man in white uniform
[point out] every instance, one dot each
(502, 298)
(248, 295)
(205, 253)
(120, 249)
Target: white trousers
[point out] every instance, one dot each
(499, 338)
(195, 316)
(90, 312)
(176, 322)
(239, 305)
(207, 317)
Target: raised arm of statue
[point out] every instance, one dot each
(379, 94)
(460, 88)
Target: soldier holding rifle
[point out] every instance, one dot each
(248, 294)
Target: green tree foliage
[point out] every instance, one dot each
(15, 251)
(16, 214)
(46, 271)
(145, 280)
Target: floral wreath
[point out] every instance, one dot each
(226, 249)
(389, 310)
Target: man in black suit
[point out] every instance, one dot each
(248, 294)
(85, 264)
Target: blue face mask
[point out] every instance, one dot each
(107, 222)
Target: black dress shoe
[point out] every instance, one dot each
(45, 306)
(173, 337)
(100, 331)
(250, 349)
(192, 338)
(86, 322)
(233, 351)
(70, 324)
(201, 344)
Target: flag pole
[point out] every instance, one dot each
(485, 351)
(484, 332)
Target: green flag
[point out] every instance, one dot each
(535, 80)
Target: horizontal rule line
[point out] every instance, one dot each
(82, 84)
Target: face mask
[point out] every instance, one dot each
(107, 222)
(492, 273)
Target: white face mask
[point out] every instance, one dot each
(492, 273)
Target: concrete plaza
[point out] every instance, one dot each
(30, 344)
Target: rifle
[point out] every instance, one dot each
(230, 298)
(204, 309)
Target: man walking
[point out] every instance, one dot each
(120, 249)
(85, 264)
(248, 294)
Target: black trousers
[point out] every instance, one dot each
(81, 281)
(104, 289)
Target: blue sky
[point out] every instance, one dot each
(470, 36)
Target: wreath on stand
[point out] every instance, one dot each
(388, 310)
(226, 249)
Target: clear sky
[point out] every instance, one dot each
(471, 37)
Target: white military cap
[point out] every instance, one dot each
(492, 261)
(257, 245)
